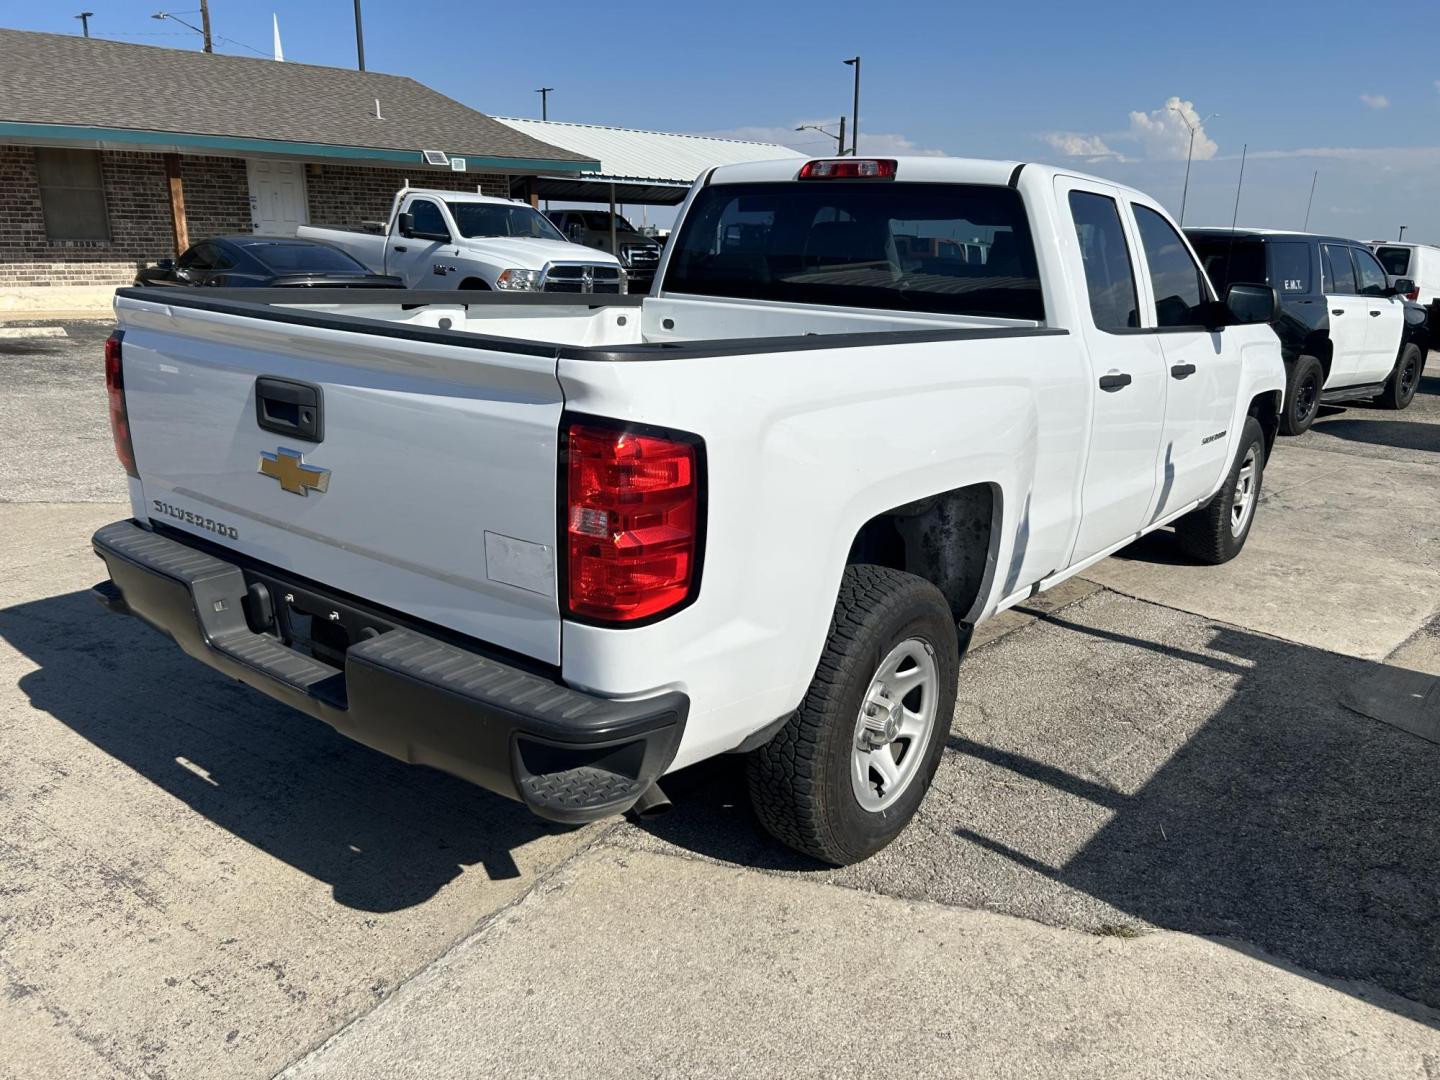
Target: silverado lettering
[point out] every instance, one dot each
(219, 528)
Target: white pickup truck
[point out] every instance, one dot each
(562, 547)
(454, 240)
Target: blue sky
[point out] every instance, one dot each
(1350, 91)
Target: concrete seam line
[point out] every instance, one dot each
(464, 939)
(1221, 622)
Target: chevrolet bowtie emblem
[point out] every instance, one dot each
(288, 466)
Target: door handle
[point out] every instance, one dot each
(399, 247)
(1337, 311)
(1373, 314)
(1182, 371)
(1111, 383)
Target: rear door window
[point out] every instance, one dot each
(1105, 256)
(1396, 260)
(1336, 270)
(1370, 273)
(955, 249)
(1290, 266)
(1178, 282)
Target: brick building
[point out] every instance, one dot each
(115, 155)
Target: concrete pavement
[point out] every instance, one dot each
(197, 882)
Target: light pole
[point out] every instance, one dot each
(854, 62)
(839, 139)
(1185, 194)
(205, 20)
(359, 39)
(545, 92)
(85, 17)
(1402, 233)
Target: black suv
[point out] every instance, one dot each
(1345, 333)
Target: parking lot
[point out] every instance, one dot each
(1185, 826)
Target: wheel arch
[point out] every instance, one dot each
(478, 284)
(951, 539)
(1266, 408)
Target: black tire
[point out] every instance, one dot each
(800, 782)
(1404, 380)
(1206, 534)
(1305, 379)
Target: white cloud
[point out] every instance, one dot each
(814, 142)
(1379, 101)
(1072, 144)
(1161, 133)
(1165, 132)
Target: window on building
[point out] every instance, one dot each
(72, 194)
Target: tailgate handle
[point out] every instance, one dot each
(288, 407)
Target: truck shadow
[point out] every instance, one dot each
(1405, 434)
(384, 835)
(1284, 824)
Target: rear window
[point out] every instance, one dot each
(954, 249)
(1396, 260)
(1290, 266)
(285, 258)
(1227, 261)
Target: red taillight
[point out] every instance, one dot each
(119, 418)
(1413, 294)
(849, 169)
(632, 522)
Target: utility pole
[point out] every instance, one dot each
(545, 92)
(205, 24)
(839, 139)
(359, 39)
(854, 62)
(85, 17)
(1185, 193)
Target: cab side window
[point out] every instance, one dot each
(1370, 273)
(1336, 271)
(1109, 276)
(428, 218)
(1177, 279)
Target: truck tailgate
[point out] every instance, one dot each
(431, 490)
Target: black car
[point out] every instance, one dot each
(266, 262)
(1346, 333)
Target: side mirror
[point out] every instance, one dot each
(1248, 304)
(405, 224)
(1402, 286)
(576, 231)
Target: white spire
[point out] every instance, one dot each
(279, 52)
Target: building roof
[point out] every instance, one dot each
(661, 163)
(59, 87)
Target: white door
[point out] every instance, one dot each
(1348, 313)
(1126, 364)
(1204, 376)
(277, 197)
(419, 257)
(1385, 317)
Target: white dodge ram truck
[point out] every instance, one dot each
(451, 240)
(563, 546)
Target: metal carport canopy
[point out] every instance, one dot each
(653, 167)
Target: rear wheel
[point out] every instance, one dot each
(1404, 380)
(848, 771)
(1215, 533)
(1306, 379)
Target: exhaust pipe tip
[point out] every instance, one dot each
(652, 803)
